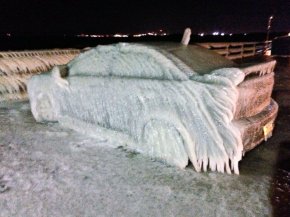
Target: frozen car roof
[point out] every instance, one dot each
(171, 61)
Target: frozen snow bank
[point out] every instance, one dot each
(150, 99)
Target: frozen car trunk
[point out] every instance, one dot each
(255, 109)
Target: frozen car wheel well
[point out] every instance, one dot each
(164, 141)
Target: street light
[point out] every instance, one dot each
(267, 49)
(269, 26)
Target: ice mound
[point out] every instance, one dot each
(148, 98)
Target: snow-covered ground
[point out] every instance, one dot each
(49, 171)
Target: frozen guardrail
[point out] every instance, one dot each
(238, 50)
(16, 67)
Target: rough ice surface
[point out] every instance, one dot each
(151, 100)
(129, 60)
(260, 68)
(47, 170)
(17, 67)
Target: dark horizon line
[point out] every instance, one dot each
(11, 34)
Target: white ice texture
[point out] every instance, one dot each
(17, 67)
(148, 98)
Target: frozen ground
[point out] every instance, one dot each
(49, 171)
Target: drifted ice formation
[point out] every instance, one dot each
(172, 102)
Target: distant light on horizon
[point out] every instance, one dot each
(120, 36)
(157, 33)
(139, 35)
(160, 32)
(152, 33)
(97, 36)
(82, 35)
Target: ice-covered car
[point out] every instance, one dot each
(172, 102)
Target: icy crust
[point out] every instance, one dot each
(167, 119)
(260, 68)
(17, 67)
(129, 60)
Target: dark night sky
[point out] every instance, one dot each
(108, 16)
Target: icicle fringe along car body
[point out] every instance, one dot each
(152, 97)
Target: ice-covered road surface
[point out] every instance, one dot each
(49, 171)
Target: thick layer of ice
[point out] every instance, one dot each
(17, 67)
(134, 60)
(145, 97)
